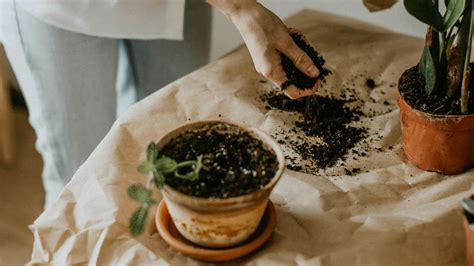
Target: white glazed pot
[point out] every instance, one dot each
(219, 223)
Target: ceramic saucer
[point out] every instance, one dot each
(170, 235)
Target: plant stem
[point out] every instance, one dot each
(149, 182)
(186, 163)
(441, 84)
(442, 58)
(465, 91)
(465, 79)
(450, 34)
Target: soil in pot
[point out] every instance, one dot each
(234, 162)
(412, 90)
(294, 75)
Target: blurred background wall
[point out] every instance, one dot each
(226, 37)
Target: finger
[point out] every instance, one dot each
(270, 67)
(275, 75)
(301, 60)
(294, 93)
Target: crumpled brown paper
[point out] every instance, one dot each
(394, 214)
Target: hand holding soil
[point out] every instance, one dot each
(298, 83)
(268, 41)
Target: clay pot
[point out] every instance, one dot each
(219, 223)
(440, 143)
(469, 243)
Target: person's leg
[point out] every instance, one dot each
(159, 62)
(126, 87)
(69, 86)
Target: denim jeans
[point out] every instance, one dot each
(75, 85)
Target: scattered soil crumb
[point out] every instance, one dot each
(370, 83)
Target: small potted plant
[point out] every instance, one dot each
(215, 178)
(436, 97)
(468, 205)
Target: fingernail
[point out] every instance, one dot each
(313, 71)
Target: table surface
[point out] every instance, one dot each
(391, 213)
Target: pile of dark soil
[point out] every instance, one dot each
(234, 162)
(328, 119)
(294, 75)
(412, 86)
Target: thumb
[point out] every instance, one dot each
(301, 60)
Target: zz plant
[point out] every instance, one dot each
(445, 60)
(468, 205)
(158, 169)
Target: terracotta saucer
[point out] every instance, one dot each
(170, 234)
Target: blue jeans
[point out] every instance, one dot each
(77, 84)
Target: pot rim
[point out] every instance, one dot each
(433, 116)
(232, 203)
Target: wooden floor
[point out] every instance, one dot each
(21, 195)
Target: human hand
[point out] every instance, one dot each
(266, 38)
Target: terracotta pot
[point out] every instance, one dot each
(219, 223)
(469, 243)
(440, 143)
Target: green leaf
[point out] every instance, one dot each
(426, 11)
(468, 205)
(159, 178)
(152, 152)
(428, 69)
(137, 221)
(166, 165)
(146, 167)
(139, 193)
(151, 202)
(454, 10)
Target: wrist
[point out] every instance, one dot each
(243, 10)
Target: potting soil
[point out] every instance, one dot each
(234, 162)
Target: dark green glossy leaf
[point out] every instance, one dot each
(138, 221)
(428, 69)
(468, 205)
(426, 11)
(454, 10)
(139, 193)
